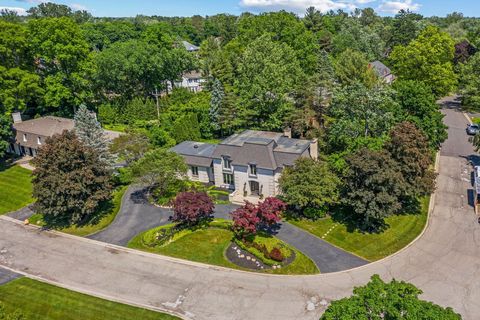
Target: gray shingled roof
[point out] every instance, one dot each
(196, 153)
(381, 69)
(189, 46)
(46, 126)
(268, 150)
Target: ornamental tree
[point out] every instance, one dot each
(248, 219)
(69, 182)
(270, 211)
(379, 300)
(192, 207)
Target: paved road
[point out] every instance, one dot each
(137, 215)
(444, 263)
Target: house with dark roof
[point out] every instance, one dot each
(249, 163)
(382, 71)
(30, 135)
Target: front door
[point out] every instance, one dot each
(254, 188)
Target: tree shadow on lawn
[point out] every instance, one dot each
(63, 221)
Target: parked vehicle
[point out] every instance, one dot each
(473, 129)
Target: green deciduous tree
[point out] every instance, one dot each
(19, 89)
(309, 183)
(352, 66)
(428, 58)
(131, 146)
(419, 105)
(159, 169)
(61, 58)
(14, 50)
(470, 82)
(410, 149)
(373, 187)
(268, 73)
(5, 133)
(129, 69)
(386, 301)
(69, 182)
(360, 112)
(405, 28)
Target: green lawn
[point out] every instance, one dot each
(15, 188)
(100, 222)
(37, 300)
(402, 230)
(116, 127)
(209, 246)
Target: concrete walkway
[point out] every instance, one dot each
(137, 215)
(444, 262)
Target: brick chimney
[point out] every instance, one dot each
(287, 132)
(17, 117)
(314, 149)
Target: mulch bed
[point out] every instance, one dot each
(246, 260)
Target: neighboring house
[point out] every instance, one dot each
(250, 163)
(192, 81)
(190, 47)
(382, 71)
(31, 134)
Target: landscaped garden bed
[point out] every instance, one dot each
(210, 243)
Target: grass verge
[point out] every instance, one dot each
(15, 188)
(402, 230)
(208, 245)
(38, 300)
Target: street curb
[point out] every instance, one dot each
(468, 118)
(98, 295)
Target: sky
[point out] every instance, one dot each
(128, 8)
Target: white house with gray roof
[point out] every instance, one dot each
(249, 163)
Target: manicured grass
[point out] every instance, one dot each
(100, 222)
(37, 300)
(402, 230)
(15, 188)
(208, 245)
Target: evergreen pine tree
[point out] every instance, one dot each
(91, 134)
(218, 95)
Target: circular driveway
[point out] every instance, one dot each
(444, 262)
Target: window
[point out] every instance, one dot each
(227, 163)
(253, 169)
(24, 137)
(194, 171)
(228, 178)
(39, 140)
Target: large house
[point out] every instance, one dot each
(249, 164)
(382, 71)
(29, 135)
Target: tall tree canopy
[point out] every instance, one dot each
(428, 58)
(268, 73)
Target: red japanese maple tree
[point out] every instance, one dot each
(247, 219)
(192, 207)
